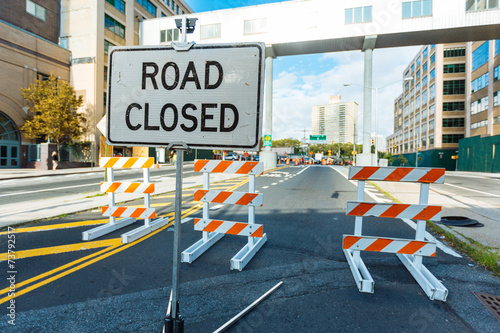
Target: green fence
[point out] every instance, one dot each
(479, 154)
(435, 158)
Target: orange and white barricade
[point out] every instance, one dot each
(128, 214)
(409, 251)
(214, 230)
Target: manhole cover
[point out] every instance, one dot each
(491, 302)
(460, 221)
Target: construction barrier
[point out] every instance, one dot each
(409, 251)
(128, 214)
(214, 230)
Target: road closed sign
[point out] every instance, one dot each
(208, 97)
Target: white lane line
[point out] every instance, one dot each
(264, 187)
(472, 190)
(50, 189)
(413, 225)
(274, 184)
(307, 167)
(216, 207)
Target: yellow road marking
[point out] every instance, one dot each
(102, 255)
(57, 226)
(170, 196)
(154, 205)
(62, 249)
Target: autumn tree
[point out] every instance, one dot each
(53, 111)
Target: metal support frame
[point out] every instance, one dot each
(243, 257)
(433, 288)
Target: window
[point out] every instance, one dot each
(480, 56)
(419, 60)
(417, 8)
(433, 58)
(147, 5)
(407, 124)
(36, 10)
(424, 81)
(479, 106)
(454, 68)
(210, 31)
(496, 98)
(105, 98)
(412, 92)
(452, 138)
(177, 9)
(407, 86)
(473, 5)
(431, 139)
(433, 74)
(424, 54)
(418, 74)
(432, 92)
(257, 26)
(418, 87)
(424, 128)
(114, 26)
(105, 73)
(417, 118)
(424, 97)
(118, 4)
(412, 106)
(478, 124)
(453, 122)
(424, 142)
(432, 109)
(412, 67)
(172, 5)
(496, 120)
(411, 124)
(424, 114)
(358, 14)
(453, 106)
(451, 53)
(496, 73)
(454, 87)
(431, 125)
(170, 35)
(407, 110)
(480, 82)
(497, 47)
(417, 102)
(424, 67)
(406, 135)
(107, 45)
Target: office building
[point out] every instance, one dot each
(337, 120)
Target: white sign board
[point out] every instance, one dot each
(208, 97)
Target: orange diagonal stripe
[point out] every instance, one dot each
(361, 209)
(427, 213)
(259, 232)
(137, 212)
(349, 241)
(246, 168)
(365, 173)
(111, 162)
(222, 166)
(198, 165)
(150, 189)
(196, 221)
(412, 247)
(394, 210)
(153, 215)
(432, 176)
(379, 244)
(149, 163)
(113, 187)
(132, 187)
(398, 174)
(119, 211)
(246, 199)
(130, 162)
(213, 225)
(104, 209)
(236, 228)
(199, 194)
(222, 197)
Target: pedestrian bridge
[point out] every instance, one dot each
(321, 26)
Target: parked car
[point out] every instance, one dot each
(232, 156)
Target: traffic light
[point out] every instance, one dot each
(372, 141)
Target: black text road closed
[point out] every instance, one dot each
(207, 97)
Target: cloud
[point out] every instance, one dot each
(295, 93)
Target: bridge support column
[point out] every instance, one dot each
(266, 156)
(366, 158)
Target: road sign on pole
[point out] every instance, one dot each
(268, 140)
(317, 139)
(208, 97)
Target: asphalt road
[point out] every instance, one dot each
(124, 288)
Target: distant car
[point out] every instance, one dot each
(232, 156)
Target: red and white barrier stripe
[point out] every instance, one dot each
(228, 227)
(216, 166)
(138, 213)
(225, 197)
(397, 174)
(126, 162)
(412, 212)
(389, 245)
(127, 187)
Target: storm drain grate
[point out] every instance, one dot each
(491, 302)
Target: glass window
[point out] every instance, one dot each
(114, 26)
(496, 98)
(431, 125)
(146, 4)
(210, 31)
(453, 106)
(424, 97)
(417, 8)
(358, 14)
(418, 74)
(433, 73)
(433, 58)
(496, 73)
(118, 4)
(36, 10)
(473, 5)
(424, 67)
(419, 60)
(453, 122)
(417, 102)
(454, 87)
(451, 53)
(479, 106)
(481, 82)
(432, 92)
(432, 109)
(480, 56)
(497, 47)
(107, 45)
(454, 68)
(424, 81)
(418, 87)
(424, 114)
(255, 26)
(452, 138)
(424, 54)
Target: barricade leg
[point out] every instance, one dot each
(243, 257)
(361, 275)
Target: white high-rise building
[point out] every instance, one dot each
(337, 120)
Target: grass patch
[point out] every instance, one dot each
(483, 255)
(95, 195)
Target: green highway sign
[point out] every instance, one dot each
(317, 138)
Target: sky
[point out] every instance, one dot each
(299, 82)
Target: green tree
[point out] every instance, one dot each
(53, 111)
(389, 158)
(288, 142)
(402, 160)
